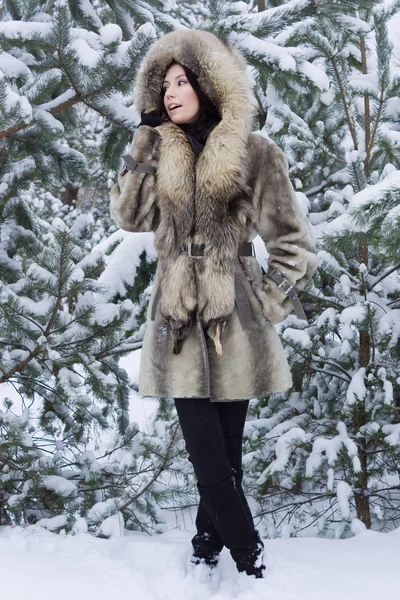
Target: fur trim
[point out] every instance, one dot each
(214, 207)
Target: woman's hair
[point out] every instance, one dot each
(206, 106)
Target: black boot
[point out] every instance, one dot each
(231, 518)
(207, 544)
(250, 560)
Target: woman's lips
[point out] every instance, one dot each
(173, 109)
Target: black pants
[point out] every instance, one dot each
(213, 435)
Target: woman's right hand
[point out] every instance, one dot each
(151, 119)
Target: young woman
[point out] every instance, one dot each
(206, 185)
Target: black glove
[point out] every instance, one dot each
(151, 119)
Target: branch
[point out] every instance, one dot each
(385, 274)
(20, 366)
(316, 189)
(53, 111)
(345, 105)
(367, 108)
(157, 474)
(329, 373)
(323, 299)
(261, 112)
(378, 116)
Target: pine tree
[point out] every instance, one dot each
(66, 441)
(328, 450)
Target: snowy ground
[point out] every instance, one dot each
(40, 565)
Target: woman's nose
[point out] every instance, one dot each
(169, 93)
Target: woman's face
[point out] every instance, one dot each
(178, 91)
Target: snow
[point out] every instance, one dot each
(21, 30)
(87, 8)
(13, 101)
(329, 448)
(113, 526)
(88, 57)
(304, 202)
(46, 119)
(121, 267)
(61, 99)
(343, 495)
(315, 74)
(13, 67)
(284, 448)
(60, 485)
(297, 336)
(354, 24)
(269, 51)
(110, 34)
(393, 434)
(353, 314)
(127, 115)
(154, 567)
(53, 523)
(255, 20)
(141, 410)
(356, 390)
(387, 386)
(374, 193)
(390, 325)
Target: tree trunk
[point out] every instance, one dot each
(70, 194)
(261, 5)
(361, 495)
(360, 418)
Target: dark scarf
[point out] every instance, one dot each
(198, 131)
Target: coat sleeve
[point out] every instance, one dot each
(133, 204)
(285, 232)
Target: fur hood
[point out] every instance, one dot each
(221, 72)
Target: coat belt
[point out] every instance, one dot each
(247, 249)
(198, 250)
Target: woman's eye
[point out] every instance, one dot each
(165, 87)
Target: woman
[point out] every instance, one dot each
(206, 185)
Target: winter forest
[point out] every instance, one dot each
(80, 451)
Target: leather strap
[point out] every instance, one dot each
(155, 302)
(133, 165)
(290, 291)
(197, 250)
(242, 305)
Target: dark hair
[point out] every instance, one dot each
(207, 107)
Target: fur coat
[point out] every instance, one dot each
(210, 321)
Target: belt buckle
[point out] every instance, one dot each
(189, 251)
(130, 162)
(285, 286)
